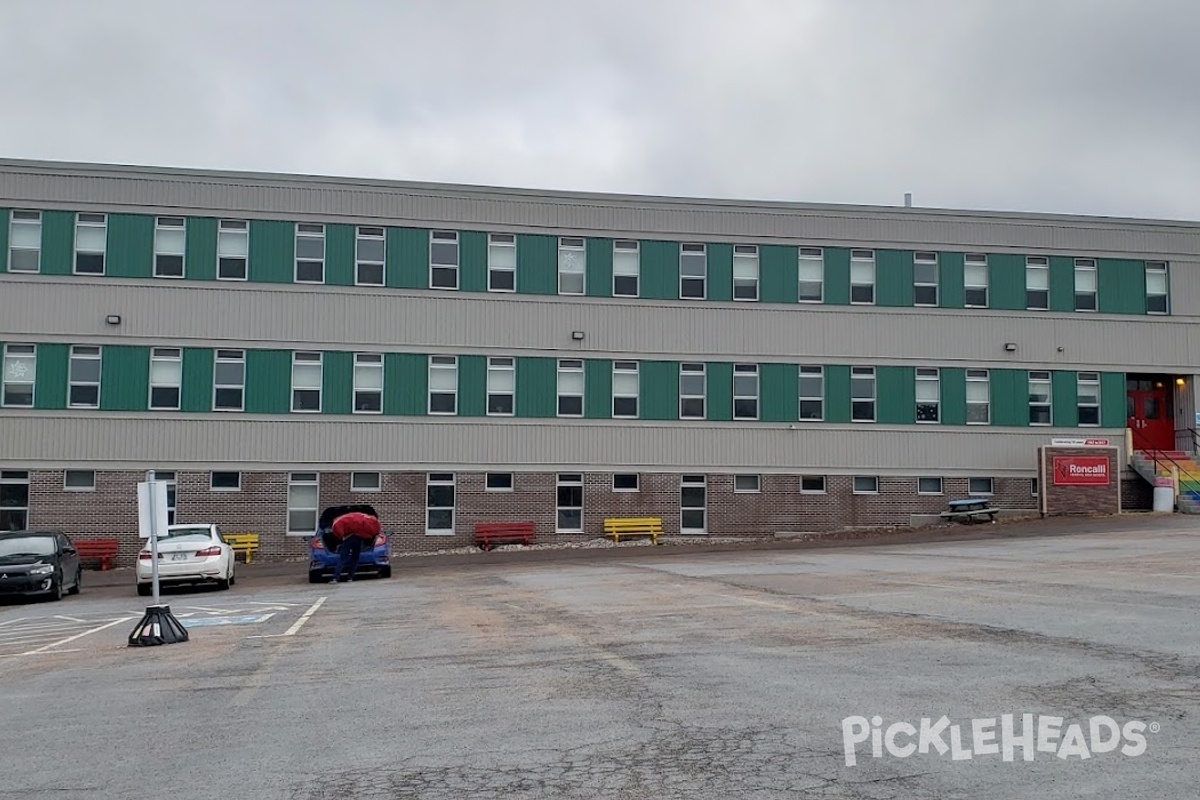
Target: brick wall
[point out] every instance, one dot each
(1071, 499)
(1136, 494)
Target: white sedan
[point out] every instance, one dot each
(187, 554)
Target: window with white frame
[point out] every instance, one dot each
(979, 397)
(925, 279)
(166, 378)
(980, 485)
(439, 503)
(572, 266)
(365, 482)
(25, 242)
(1085, 284)
(975, 280)
(812, 484)
(928, 395)
(233, 249)
(79, 480)
(502, 262)
(1039, 398)
(1037, 283)
(14, 500)
(625, 382)
(862, 277)
(693, 271)
(625, 481)
(929, 485)
(693, 389)
(693, 504)
(746, 484)
(306, 382)
(862, 394)
(866, 484)
(20, 372)
(812, 275)
(501, 386)
(370, 256)
(368, 383)
(443, 259)
(443, 384)
(745, 272)
(229, 380)
(168, 478)
(569, 503)
(745, 391)
(1088, 394)
(812, 393)
(310, 253)
(91, 239)
(570, 387)
(225, 481)
(302, 501)
(498, 482)
(1156, 287)
(626, 268)
(170, 246)
(83, 377)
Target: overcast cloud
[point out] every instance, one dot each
(1076, 106)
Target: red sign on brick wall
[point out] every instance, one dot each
(1081, 471)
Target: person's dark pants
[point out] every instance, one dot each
(348, 554)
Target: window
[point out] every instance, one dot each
(443, 259)
(1085, 284)
(862, 277)
(812, 484)
(812, 393)
(1037, 283)
(925, 279)
(310, 253)
(693, 387)
(1033, 487)
(233, 249)
(693, 271)
(1039, 398)
(14, 500)
(745, 484)
(866, 484)
(928, 395)
(365, 482)
(368, 383)
(812, 275)
(79, 480)
(302, 502)
(626, 268)
(170, 244)
(625, 389)
(570, 388)
(169, 479)
(20, 369)
(25, 243)
(499, 482)
(745, 391)
(83, 377)
(862, 394)
(979, 485)
(975, 280)
(501, 386)
(1088, 393)
(693, 504)
(443, 384)
(502, 262)
(625, 482)
(225, 481)
(229, 380)
(439, 503)
(91, 238)
(1156, 286)
(745, 272)
(166, 378)
(572, 266)
(569, 504)
(370, 256)
(306, 382)
(929, 485)
(978, 397)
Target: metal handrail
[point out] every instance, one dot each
(1159, 456)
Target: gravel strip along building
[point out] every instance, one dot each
(274, 344)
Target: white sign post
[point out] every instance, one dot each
(158, 626)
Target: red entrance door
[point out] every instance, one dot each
(1150, 419)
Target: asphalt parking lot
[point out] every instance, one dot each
(673, 674)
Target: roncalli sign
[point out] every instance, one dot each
(1081, 470)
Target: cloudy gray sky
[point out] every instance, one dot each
(1079, 106)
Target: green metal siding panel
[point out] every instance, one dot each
(50, 381)
(597, 392)
(950, 280)
(954, 395)
(894, 277)
(268, 381)
(472, 386)
(407, 258)
(837, 281)
(720, 390)
(895, 395)
(1064, 399)
(337, 382)
(197, 379)
(124, 378)
(1112, 400)
(58, 242)
(780, 276)
(472, 261)
(599, 267)
(1062, 283)
(340, 242)
(4, 223)
(779, 392)
(537, 264)
(537, 387)
(200, 253)
(1006, 281)
(272, 251)
(405, 384)
(720, 272)
(659, 389)
(659, 277)
(1121, 286)
(129, 252)
(1010, 397)
(837, 393)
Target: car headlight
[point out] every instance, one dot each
(43, 569)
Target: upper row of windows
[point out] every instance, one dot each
(233, 249)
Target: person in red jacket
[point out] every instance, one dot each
(354, 529)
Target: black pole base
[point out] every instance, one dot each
(157, 627)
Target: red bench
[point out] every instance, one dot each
(490, 534)
(103, 549)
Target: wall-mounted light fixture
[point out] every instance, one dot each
(1181, 382)
(113, 319)
(577, 335)
(1010, 347)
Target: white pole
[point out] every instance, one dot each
(150, 479)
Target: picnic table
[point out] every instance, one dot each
(970, 510)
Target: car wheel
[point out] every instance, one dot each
(56, 588)
(315, 576)
(144, 589)
(78, 582)
(385, 572)
(223, 583)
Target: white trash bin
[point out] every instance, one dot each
(1164, 495)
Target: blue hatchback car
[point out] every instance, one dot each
(376, 558)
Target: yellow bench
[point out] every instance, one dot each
(244, 543)
(616, 527)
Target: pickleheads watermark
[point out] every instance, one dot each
(995, 736)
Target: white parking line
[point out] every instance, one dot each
(11, 621)
(69, 619)
(44, 648)
(295, 626)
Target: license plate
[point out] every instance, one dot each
(179, 556)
